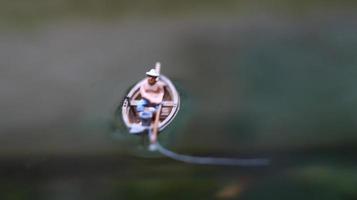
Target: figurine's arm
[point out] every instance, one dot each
(143, 93)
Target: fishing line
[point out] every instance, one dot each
(246, 162)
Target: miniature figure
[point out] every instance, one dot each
(152, 90)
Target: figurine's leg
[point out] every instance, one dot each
(153, 110)
(139, 128)
(141, 105)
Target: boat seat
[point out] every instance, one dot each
(164, 103)
(165, 111)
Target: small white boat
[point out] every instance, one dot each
(170, 105)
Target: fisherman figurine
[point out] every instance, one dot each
(152, 90)
(152, 93)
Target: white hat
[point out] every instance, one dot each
(153, 73)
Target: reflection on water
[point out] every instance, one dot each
(252, 84)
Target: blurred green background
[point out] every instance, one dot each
(271, 79)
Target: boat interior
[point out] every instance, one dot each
(167, 106)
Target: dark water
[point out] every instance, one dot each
(254, 79)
